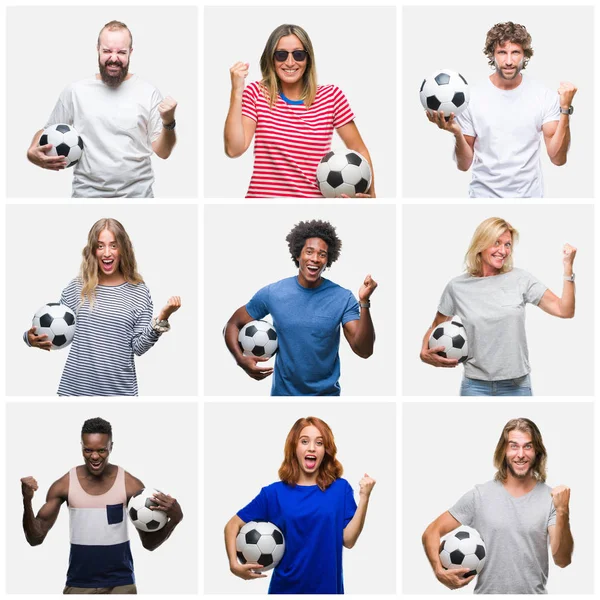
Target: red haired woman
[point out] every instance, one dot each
(315, 509)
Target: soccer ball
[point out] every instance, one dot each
(258, 338)
(453, 336)
(140, 514)
(65, 142)
(446, 91)
(343, 172)
(260, 542)
(57, 321)
(463, 548)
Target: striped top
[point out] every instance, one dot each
(100, 554)
(100, 361)
(290, 140)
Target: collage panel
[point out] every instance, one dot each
(314, 272)
(503, 472)
(508, 137)
(93, 530)
(318, 473)
(533, 253)
(126, 309)
(278, 89)
(124, 119)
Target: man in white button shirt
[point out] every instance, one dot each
(121, 119)
(500, 133)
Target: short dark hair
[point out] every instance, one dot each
(97, 425)
(511, 32)
(305, 230)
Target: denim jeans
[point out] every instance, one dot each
(521, 386)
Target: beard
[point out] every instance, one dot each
(518, 69)
(525, 475)
(113, 81)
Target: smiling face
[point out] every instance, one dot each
(96, 448)
(109, 257)
(310, 451)
(290, 71)
(312, 262)
(509, 60)
(494, 257)
(520, 454)
(113, 56)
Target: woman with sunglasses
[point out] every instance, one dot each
(314, 508)
(291, 117)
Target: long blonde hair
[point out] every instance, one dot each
(88, 271)
(270, 81)
(484, 237)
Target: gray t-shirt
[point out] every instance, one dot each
(515, 532)
(492, 309)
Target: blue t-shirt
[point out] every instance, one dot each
(307, 321)
(312, 522)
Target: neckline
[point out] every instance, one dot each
(103, 493)
(288, 101)
(104, 285)
(523, 495)
(310, 289)
(503, 91)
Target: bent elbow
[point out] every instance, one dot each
(562, 563)
(559, 161)
(349, 544)
(34, 541)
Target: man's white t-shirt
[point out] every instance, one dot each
(507, 126)
(117, 126)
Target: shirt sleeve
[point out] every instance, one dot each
(552, 515)
(465, 122)
(551, 107)
(63, 110)
(534, 290)
(71, 295)
(257, 509)
(249, 102)
(349, 504)
(446, 305)
(258, 307)
(155, 122)
(144, 336)
(352, 310)
(464, 510)
(342, 113)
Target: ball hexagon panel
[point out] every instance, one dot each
(65, 142)
(446, 91)
(463, 548)
(343, 172)
(140, 513)
(258, 338)
(57, 321)
(452, 336)
(260, 542)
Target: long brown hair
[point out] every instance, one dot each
(330, 468)
(89, 264)
(541, 456)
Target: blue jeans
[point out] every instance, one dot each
(521, 386)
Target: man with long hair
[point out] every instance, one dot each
(515, 514)
(500, 132)
(121, 119)
(96, 493)
(308, 312)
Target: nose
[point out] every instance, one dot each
(106, 251)
(94, 456)
(290, 60)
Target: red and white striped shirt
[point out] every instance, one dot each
(290, 140)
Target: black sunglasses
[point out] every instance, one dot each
(298, 55)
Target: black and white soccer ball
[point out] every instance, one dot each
(260, 542)
(446, 91)
(463, 548)
(453, 336)
(65, 142)
(258, 338)
(57, 321)
(138, 509)
(343, 172)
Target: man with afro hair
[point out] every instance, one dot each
(307, 312)
(500, 133)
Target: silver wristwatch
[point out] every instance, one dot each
(569, 277)
(566, 111)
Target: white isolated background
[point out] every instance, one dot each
(254, 253)
(455, 452)
(57, 47)
(347, 40)
(434, 242)
(40, 265)
(156, 443)
(435, 38)
(245, 456)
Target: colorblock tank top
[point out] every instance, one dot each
(100, 553)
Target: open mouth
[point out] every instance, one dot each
(314, 270)
(310, 461)
(107, 263)
(95, 465)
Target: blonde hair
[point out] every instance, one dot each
(484, 237)
(270, 81)
(116, 26)
(89, 263)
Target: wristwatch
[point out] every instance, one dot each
(170, 126)
(570, 277)
(566, 111)
(366, 304)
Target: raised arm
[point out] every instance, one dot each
(242, 571)
(239, 130)
(557, 134)
(361, 333)
(353, 140)
(429, 355)
(37, 527)
(353, 530)
(451, 578)
(463, 144)
(563, 307)
(163, 145)
(561, 539)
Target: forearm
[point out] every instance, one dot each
(231, 341)
(364, 338)
(560, 142)
(567, 299)
(234, 136)
(143, 341)
(463, 153)
(34, 529)
(164, 144)
(231, 531)
(431, 544)
(34, 142)
(562, 541)
(151, 541)
(353, 530)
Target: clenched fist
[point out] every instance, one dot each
(366, 485)
(173, 304)
(560, 497)
(569, 253)
(566, 91)
(28, 487)
(167, 110)
(238, 72)
(367, 288)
